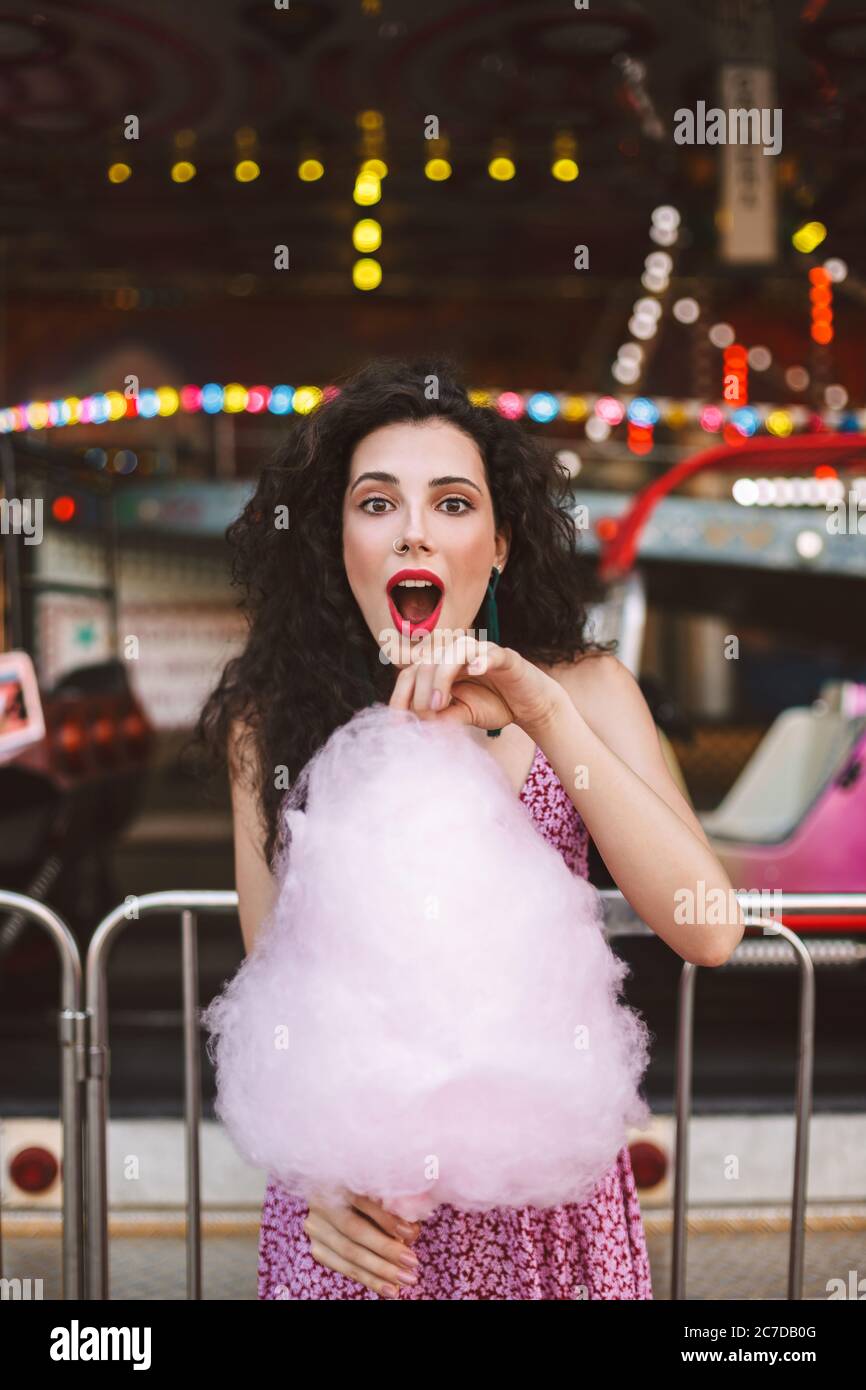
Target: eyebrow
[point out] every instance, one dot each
(434, 482)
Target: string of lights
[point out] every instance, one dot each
(542, 407)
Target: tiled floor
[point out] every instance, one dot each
(721, 1266)
(754, 1265)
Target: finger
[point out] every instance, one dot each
(332, 1225)
(403, 695)
(427, 656)
(423, 648)
(359, 1240)
(452, 666)
(425, 674)
(355, 1252)
(458, 712)
(389, 1221)
(433, 645)
(404, 685)
(331, 1260)
(487, 657)
(341, 1227)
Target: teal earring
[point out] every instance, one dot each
(492, 622)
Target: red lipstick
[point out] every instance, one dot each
(406, 626)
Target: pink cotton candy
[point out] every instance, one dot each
(431, 1012)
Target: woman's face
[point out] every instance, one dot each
(423, 488)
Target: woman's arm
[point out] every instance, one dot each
(255, 884)
(602, 743)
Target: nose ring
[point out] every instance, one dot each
(397, 546)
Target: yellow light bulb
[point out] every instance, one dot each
(779, 422)
(574, 408)
(305, 399)
(235, 398)
(119, 173)
(501, 168)
(366, 274)
(183, 171)
(368, 190)
(116, 405)
(310, 169)
(367, 235)
(246, 170)
(808, 237)
(437, 169)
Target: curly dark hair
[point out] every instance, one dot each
(310, 662)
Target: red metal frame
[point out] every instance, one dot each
(619, 540)
(619, 537)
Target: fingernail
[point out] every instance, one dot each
(409, 1260)
(436, 699)
(404, 1230)
(409, 1278)
(389, 1291)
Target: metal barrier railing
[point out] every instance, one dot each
(72, 1034)
(86, 1056)
(751, 903)
(98, 1070)
(803, 1108)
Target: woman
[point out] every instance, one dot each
(398, 477)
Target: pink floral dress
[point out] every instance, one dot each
(595, 1249)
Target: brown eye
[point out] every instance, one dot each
(464, 500)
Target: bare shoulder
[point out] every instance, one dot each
(610, 699)
(598, 678)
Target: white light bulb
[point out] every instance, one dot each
(666, 217)
(663, 236)
(721, 335)
(687, 311)
(797, 378)
(597, 430)
(759, 358)
(626, 373)
(836, 269)
(660, 261)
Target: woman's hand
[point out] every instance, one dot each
(460, 679)
(364, 1242)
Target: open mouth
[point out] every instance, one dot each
(415, 599)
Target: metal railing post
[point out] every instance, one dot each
(72, 1037)
(683, 1105)
(803, 1102)
(188, 902)
(192, 1103)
